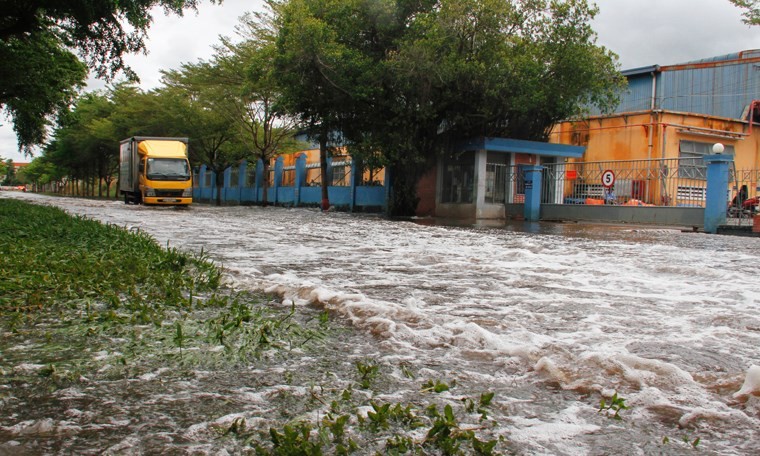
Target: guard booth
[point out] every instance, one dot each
(485, 178)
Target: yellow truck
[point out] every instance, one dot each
(155, 170)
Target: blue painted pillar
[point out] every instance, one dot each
(259, 180)
(532, 209)
(717, 191)
(355, 168)
(300, 179)
(278, 165)
(226, 182)
(242, 175)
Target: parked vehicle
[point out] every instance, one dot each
(155, 171)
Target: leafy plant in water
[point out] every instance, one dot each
(445, 434)
(399, 444)
(407, 371)
(237, 427)
(378, 419)
(436, 387)
(293, 440)
(616, 404)
(686, 439)
(367, 373)
(179, 337)
(481, 406)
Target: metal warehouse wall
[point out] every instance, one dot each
(712, 88)
(721, 86)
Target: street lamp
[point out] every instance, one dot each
(718, 148)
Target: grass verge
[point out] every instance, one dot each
(106, 319)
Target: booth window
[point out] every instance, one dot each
(459, 179)
(497, 170)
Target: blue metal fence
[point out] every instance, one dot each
(288, 187)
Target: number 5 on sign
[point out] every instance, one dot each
(608, 178)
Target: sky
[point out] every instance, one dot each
(640, 32)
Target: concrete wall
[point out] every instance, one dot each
(675, 216)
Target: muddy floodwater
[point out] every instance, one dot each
(550, 317)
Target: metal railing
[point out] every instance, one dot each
(658, 182)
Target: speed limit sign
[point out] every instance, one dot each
(608, 178)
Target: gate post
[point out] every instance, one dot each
(279, 163)
(532, 208)
(716, 202)
(300, 179)
(259, 179)
(355, 179)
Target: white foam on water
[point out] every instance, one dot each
(561, 435)
(657, 315)
(751, 383)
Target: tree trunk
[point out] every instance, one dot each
(265, 183)
(403, 198)
(323, 170)
(219, 186)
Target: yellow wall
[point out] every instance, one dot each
(657, 135)
(312, 174)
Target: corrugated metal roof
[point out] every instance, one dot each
(723, 91)
(722, 86)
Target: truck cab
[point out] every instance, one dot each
(156, 171)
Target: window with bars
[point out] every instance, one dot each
(234, 176)
(691, 154)
(250, 175)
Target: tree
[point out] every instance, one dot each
(86, 142)
(752, 13)
(412, 79)
(319, 70)
(3, 167)
(38, 78)
(194, 99)
(39, 173)
(39, 74)
(246, 73)
(9, 173)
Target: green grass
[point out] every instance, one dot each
(48, 259)
(73, 286)
(92, 304)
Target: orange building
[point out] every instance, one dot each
(679, 112)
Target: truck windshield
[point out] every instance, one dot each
(167, 169)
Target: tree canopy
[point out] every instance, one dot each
(752, 10)
(398, 82)
(411, 79)
(40, 75)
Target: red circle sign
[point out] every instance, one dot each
(608, 178)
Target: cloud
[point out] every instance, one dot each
(641, 32)
(649, 32)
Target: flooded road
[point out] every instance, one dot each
(550, 317)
